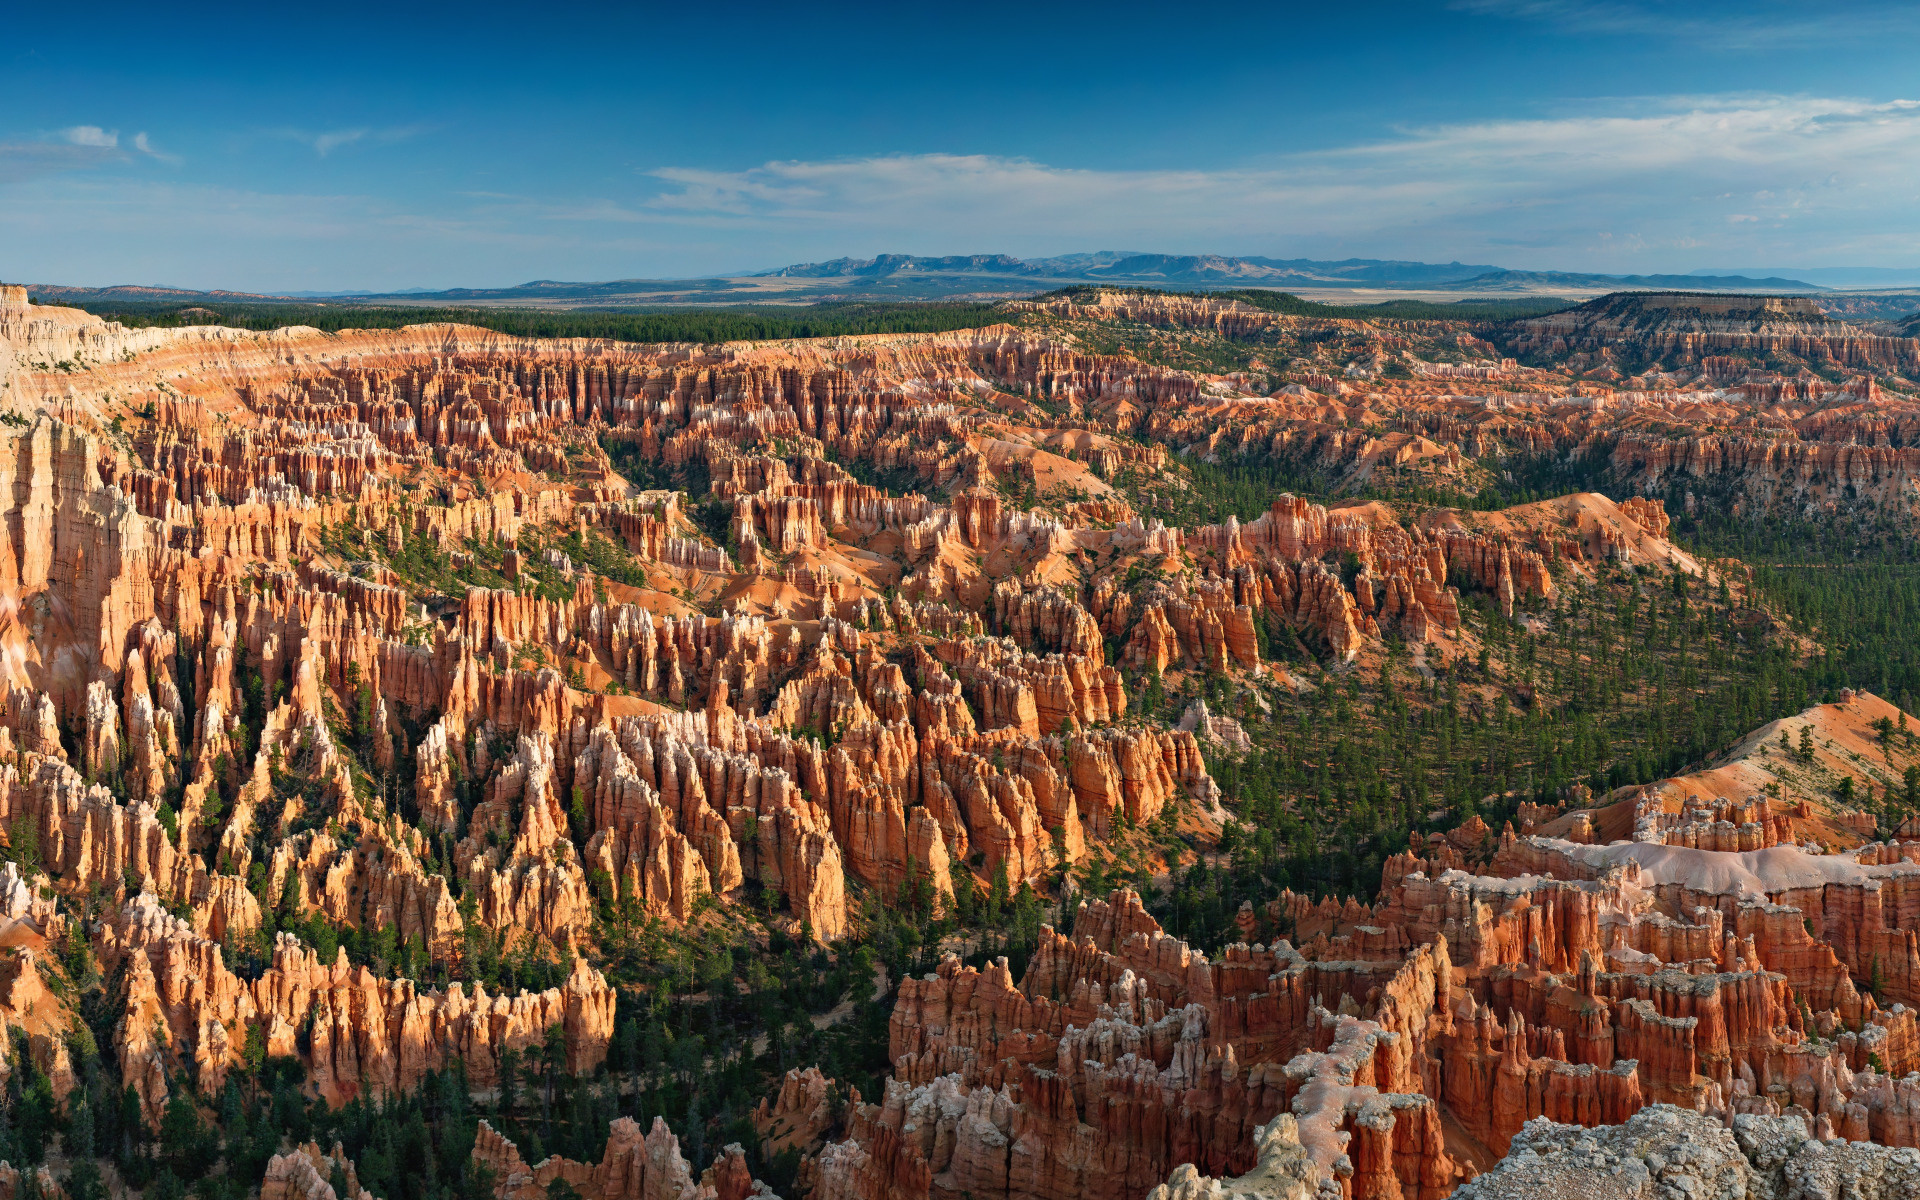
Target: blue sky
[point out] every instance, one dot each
(272, 147)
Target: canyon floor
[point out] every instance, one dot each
(1146, 745)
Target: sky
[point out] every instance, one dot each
(346, 146)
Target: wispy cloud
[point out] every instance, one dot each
(100, 229)
(144, 145)
(91, 135)
(24, 160)
(1662, 183)
(76, 148)
(325, 142)
(1631, 176)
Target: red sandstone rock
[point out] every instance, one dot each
(304, 1172)
(367, 1036)
(632, 1167)
(824, 731)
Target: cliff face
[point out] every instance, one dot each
(1687, 328)
(1229, 318)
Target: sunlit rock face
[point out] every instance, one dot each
(437, 638)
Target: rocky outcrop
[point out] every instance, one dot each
(1685, 327)
(305, 1173)
(633, 1167)
(1659, 1151)
(14, 1183)
(799, 1116)
(1284, 1171)
(1115, 1058)
(1666, 1151)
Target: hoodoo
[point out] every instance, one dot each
(970, 763)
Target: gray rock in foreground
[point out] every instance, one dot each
(1668, 1153)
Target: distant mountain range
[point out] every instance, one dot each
(1216, 270)
(53, 293)
(892, 274)
(1132, 266)
(1833, 277)
(987, 276)
(1533, 281)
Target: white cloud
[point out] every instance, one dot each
(1649, 184)
(91, 135)
(145, 146)
(1660, 175)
